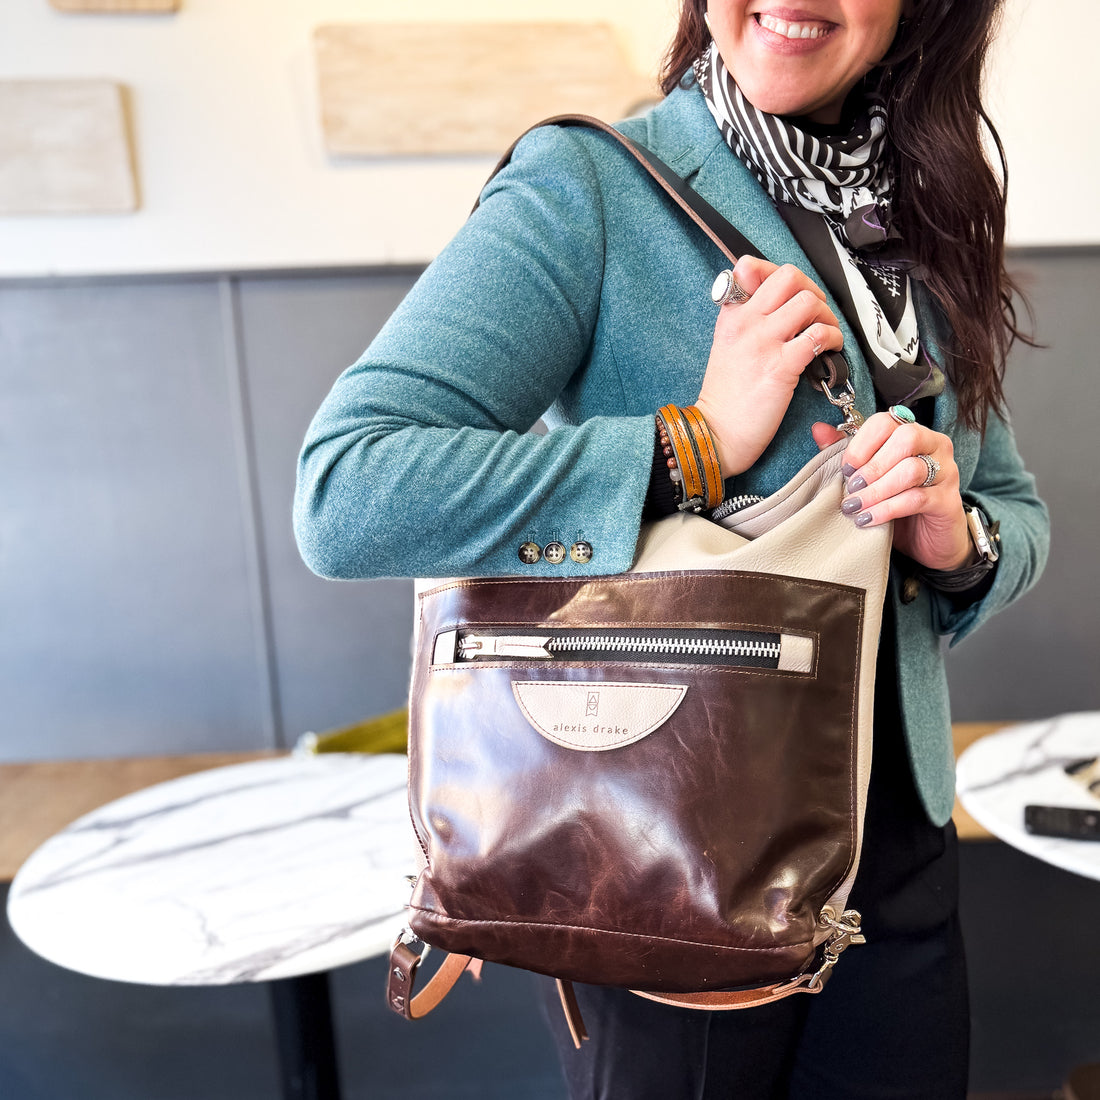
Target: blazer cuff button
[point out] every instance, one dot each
(581, 552)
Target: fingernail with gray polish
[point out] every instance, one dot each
(847, 470)
(856, 484)
(863, 519)
(851, 506)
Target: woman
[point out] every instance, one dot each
(577, 294)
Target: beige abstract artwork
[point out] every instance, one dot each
(431, 88)
(64, 148)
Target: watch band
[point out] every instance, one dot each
(985, 537)
(959, 580)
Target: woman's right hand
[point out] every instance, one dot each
(761, 347)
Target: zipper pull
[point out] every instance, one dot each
(472, 646)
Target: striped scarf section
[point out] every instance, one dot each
(844, 178)
(841, 176)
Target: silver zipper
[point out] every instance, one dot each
(745, 648)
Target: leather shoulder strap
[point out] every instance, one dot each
(829, 368)
(730, 241)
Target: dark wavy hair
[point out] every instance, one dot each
(949, 202)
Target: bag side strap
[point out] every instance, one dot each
(404, 964)
(709, 1002)
(568, 996)
(829, 370)
(744, 998)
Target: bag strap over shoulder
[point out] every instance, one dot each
(829, 371)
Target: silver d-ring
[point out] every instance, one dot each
(933, 470)
(727, 289)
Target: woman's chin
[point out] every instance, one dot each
(792, 104)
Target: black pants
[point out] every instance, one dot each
(892, 1024)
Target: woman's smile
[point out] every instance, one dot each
(792, 29)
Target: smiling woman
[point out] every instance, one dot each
(843, 138)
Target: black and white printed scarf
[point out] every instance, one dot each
(842, 177)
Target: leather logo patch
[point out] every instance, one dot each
(595, 718)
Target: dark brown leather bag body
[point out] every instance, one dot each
(653, 780)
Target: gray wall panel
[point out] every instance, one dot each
(341, 649)
(125, 621)
(1042, 655)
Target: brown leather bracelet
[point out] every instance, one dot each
(695, 456)
(708, 455)
(687, 462)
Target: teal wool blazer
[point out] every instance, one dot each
(578, 294)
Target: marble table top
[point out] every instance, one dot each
(1000, 774)
(264, 870)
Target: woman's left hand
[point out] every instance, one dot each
(885, 482)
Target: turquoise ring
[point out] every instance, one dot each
(901, 414)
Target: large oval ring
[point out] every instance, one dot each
(901, 414)
(727, 289)
(933, 470)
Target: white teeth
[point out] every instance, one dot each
(791, 30)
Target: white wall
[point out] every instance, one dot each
(233, 173)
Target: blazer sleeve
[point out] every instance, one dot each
(420, 463)
(1005, 490)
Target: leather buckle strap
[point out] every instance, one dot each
(405, 961)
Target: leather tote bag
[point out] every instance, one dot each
(653, 780)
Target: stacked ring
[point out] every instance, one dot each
(933, 468)
(901, 414)
(727, 289)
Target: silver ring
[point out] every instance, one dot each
(933, 470)
(727, 289)
(813, 340)
(901, 414)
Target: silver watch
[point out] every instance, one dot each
(983, 534)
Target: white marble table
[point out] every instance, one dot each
(275, 869)
(1000, 774)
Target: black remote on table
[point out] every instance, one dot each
(1062, 821)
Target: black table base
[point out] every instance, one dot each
(304, 1035)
